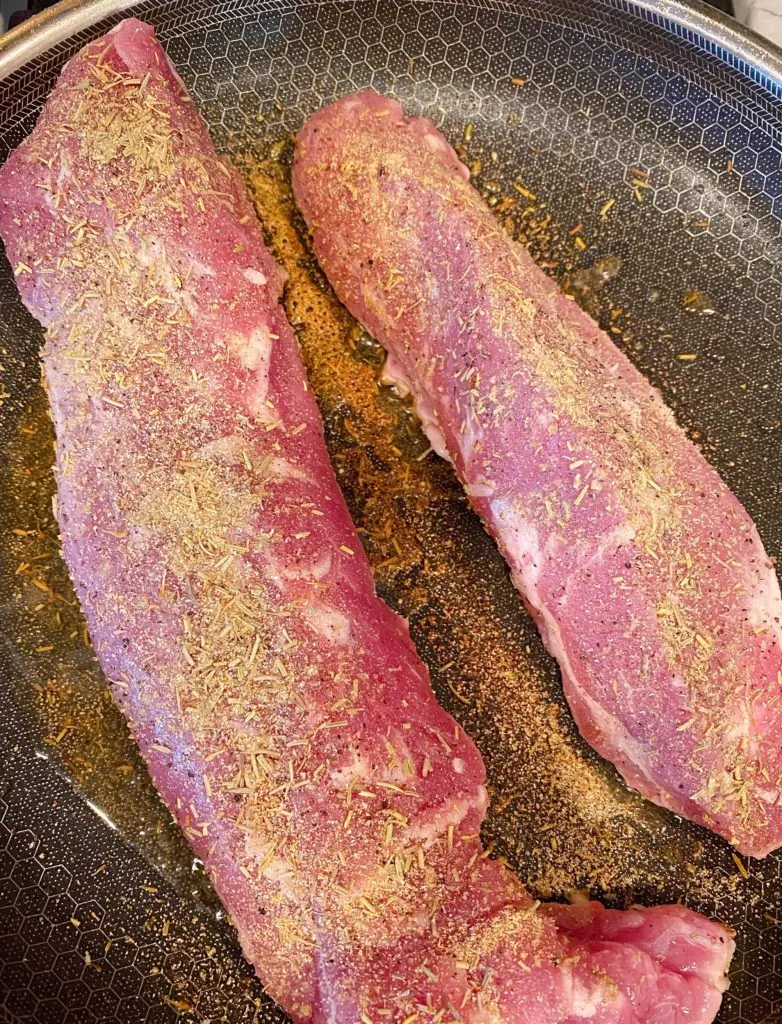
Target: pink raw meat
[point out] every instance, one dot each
(646, 576)
(283, 712)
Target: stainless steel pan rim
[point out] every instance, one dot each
(693, 19)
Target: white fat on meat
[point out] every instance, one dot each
(321, 568)
(765, 602)
(231, 450)
(254, 276)
(281, 573)
(467, 438)
(359, 770)
(480, 488)
(769, 796)
(225, 451)
(394, 375)
(279, 870)
(354, 103)
(742, 728)
(607, 547)
(626, 750)
(284, 469)
(436, 438)
(152, 256)
(437, 144)
(522, 548)
(521, 545)
(360, 773)
(429, 826)
(200, 269)
(328, 622)
(254, 352)
(585, 1001)
(60, 186)
(282, 873)
(611, 728)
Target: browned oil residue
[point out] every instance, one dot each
(698, 303)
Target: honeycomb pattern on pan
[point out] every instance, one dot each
(603, 96)
(591, 100)
(105, 939)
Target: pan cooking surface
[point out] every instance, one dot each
(646, 174)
